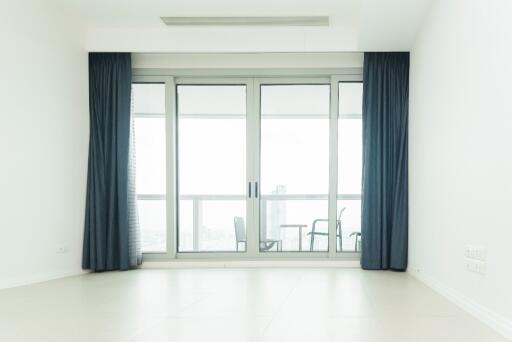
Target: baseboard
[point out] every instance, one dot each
(39, 279)
(251, 264)
(489, 317)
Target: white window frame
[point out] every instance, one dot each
(253, 78)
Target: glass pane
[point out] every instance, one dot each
(211, 167)
(295, 99)
(349, 167)
(350, 156)
(150, 155)
(294, 167)
(350, 223)
(186, 225)
(211, 156)
(278, 217)
(207, 99)
(148, 98)
(351, 98)
(149, 138)
(214, 229)
(153, 228)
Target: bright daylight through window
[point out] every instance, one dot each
(252, 166)
(350, 164)
(148, 112)
(211, 167)
(294, 166)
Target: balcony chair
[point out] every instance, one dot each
(241, 237)
(314, 231)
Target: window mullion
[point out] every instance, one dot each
(170, 166)
(333, 166)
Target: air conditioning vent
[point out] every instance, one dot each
(246, 21)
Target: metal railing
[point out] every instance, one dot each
(199, 199)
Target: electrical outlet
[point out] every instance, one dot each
(475, 259)
(482, 268)
(468, 250)
(62, 250)
(481, 253)
(476, 266)
(475, 252)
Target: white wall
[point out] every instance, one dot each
(222, 39)
(43, 142)
(247, 60)
(461, 154)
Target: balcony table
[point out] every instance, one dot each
(299, 227)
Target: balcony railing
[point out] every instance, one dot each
(198, 201)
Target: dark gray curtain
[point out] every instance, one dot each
(385, 175)
(111, 225)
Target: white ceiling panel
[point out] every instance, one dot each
(354, 25)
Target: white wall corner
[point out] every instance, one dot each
(492, 319)
(40, 278)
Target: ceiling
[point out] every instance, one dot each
(364, 24)
(147, 13)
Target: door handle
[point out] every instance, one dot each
(249, 189)
(255, 189)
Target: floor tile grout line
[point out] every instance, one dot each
(160, 320)
(279, 309)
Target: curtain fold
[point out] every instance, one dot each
(111, 239)
(384, 221)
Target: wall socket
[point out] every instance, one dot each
(475, 252)
(62, 250)
(476, 266)
(476, 259)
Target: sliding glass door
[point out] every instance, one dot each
(212, 171)
(294, 167)
(252, 167)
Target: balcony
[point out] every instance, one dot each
(206, 221)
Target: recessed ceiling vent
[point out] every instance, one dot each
(246, 21)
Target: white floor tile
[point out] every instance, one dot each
(235, 305)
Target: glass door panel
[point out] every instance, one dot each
(350, 158)
(148, 113)
(294, 167)
(212, 180)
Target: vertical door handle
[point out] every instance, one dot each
(255, 189)
(249, 189)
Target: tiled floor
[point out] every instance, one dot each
(235, 305)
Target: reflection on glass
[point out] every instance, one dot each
(294, 167)
(211, 166)
(349, 166)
